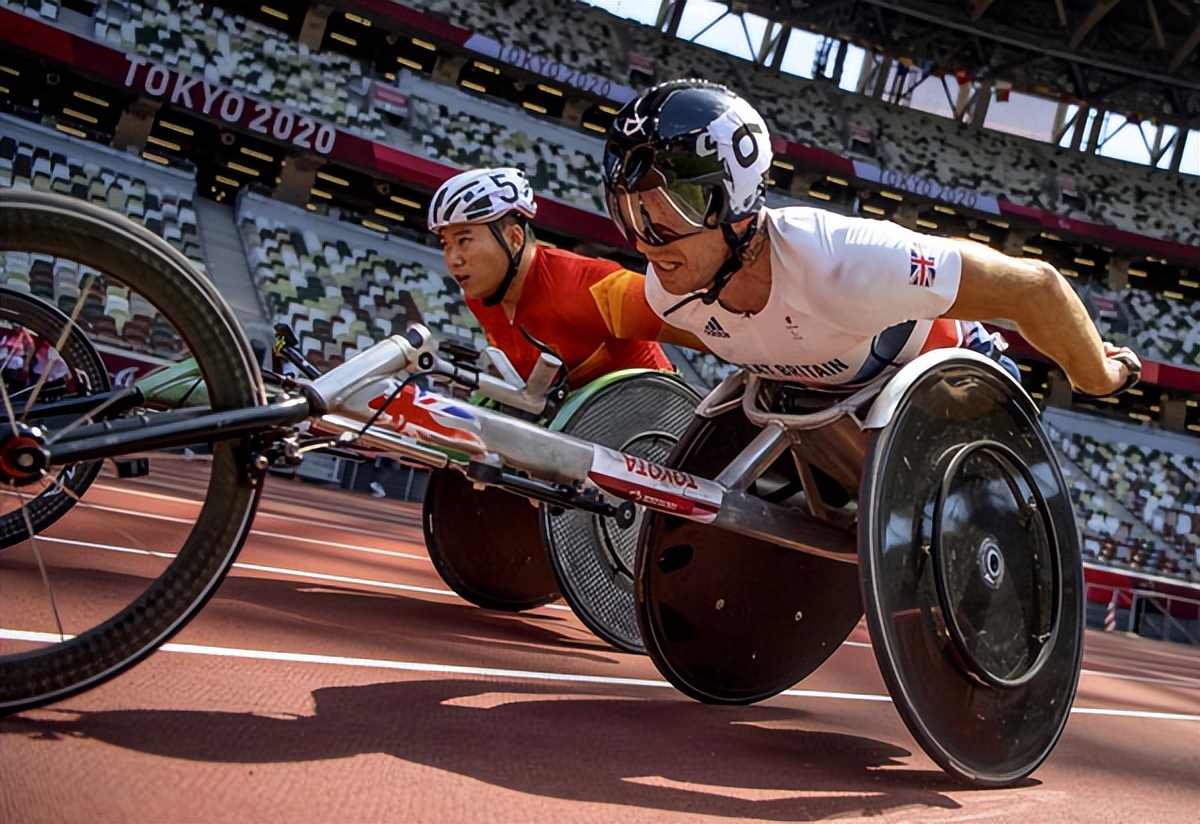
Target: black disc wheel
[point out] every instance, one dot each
(643, 415)
(60, 353)
(971, 574)
(93, 590)
(729, 619)
(486, 544)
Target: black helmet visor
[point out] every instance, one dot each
(656, 217)
(660, 194)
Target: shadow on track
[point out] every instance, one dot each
(758, 762)
(359, 622)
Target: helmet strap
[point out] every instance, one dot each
(731, 266)
(514, 261)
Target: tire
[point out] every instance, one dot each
(639, 413)
(87, 375)
(783, 612)
(91, 643)
(975, 605)
(510, 572)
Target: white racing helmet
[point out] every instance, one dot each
(684, 157)
(481, 196)
(484, 196)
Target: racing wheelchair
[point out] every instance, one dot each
(930, 500)
(538, 554)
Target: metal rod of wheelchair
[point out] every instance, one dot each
(350, 390)
(556, 457)
(342, 401)
(529, 396)
(398, 446)
(112, 439)
(754, 460)
(744, 514)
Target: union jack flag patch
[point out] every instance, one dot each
(431, 418)
(921, 270)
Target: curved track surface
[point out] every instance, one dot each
(334, 678)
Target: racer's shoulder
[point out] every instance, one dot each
(801, 218)
(563, 268)
(800, 224)
(807, 230)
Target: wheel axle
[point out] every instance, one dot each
(23, 455)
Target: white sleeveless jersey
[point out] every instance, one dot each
(850, 297)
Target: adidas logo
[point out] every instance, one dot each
(713, 329)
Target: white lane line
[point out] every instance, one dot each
(447, 593)
(1147, 714)
(1180, 681)
(344, 579)
(295, 573)
(261, 513)
(369, 582)
(291, 537)
(527, 675)
(124, 491)
(127, 550)
(391, 553)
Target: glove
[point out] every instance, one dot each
(1132, 364)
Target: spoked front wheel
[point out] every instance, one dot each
(129, 563)
(42, 345)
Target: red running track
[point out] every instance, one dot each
(334, 678)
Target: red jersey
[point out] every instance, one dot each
(591, 311)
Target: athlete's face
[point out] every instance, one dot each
(474, 259)
(689, 263)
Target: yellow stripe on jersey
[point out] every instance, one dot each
(621, 299)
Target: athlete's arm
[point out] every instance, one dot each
(1033, 295)
(679, 337)
(621, 299)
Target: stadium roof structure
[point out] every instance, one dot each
(1139, 57)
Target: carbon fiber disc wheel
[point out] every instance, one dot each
(971, 576)
(486, 544)
(643, 415)
(729, 619)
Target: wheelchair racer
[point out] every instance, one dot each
(806, 295)
(592, 312)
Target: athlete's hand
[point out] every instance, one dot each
(1122, 368)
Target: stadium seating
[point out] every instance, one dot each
(214, 45)
(32, 157)
(1138, 507)
(45, 9)
(574, 34)
(45, 160)
(1124, 195)
(1153, 326)
(341, 287)
(1166, 330)
(469, 141)
(335, 87)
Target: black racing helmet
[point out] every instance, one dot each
(691, 152)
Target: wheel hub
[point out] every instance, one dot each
(995, 564)
(23, 455)
(991, 563)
